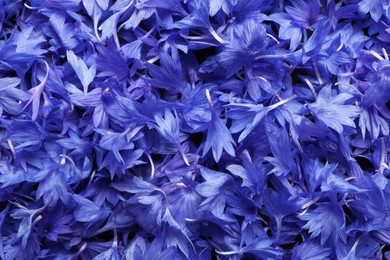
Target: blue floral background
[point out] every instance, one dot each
(194, 129)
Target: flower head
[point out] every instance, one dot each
(248, 40)
(378, 91)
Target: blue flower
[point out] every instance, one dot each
(213, 190)
(217, 5)
(25, 236)
(85, 74)
(218, 136)
(90, 215)
(141, 248)
(173, 235)
(37, 93)
(116, 142)
(247, 41)
(55, 223)
(332, 59)
(352, 39)
(2, 217)
(184, 204)
(304, 14)
(375, 8)
(313, 45)
(87, 210)
(54, 188)
(283, 157)
(110, 62)
(62, 33)
(261, 247)
(315, 173)
(357, 247)
(277, 206)
(196, 112)
(326, 221)
(311, 249)
(288, 30)
(251, 175)
(368, 204)
(199, 18)
(168, 75)
(10, 96)
(101, 191)
(298, 18)
(56, 4)
(168, 127)
(370, 120)
(377, 93)
(332, 111)
(246, 117)
(21, 49)
(112, 252)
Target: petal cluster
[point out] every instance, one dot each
(194, 129)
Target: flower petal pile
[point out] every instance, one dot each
(194, 129)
